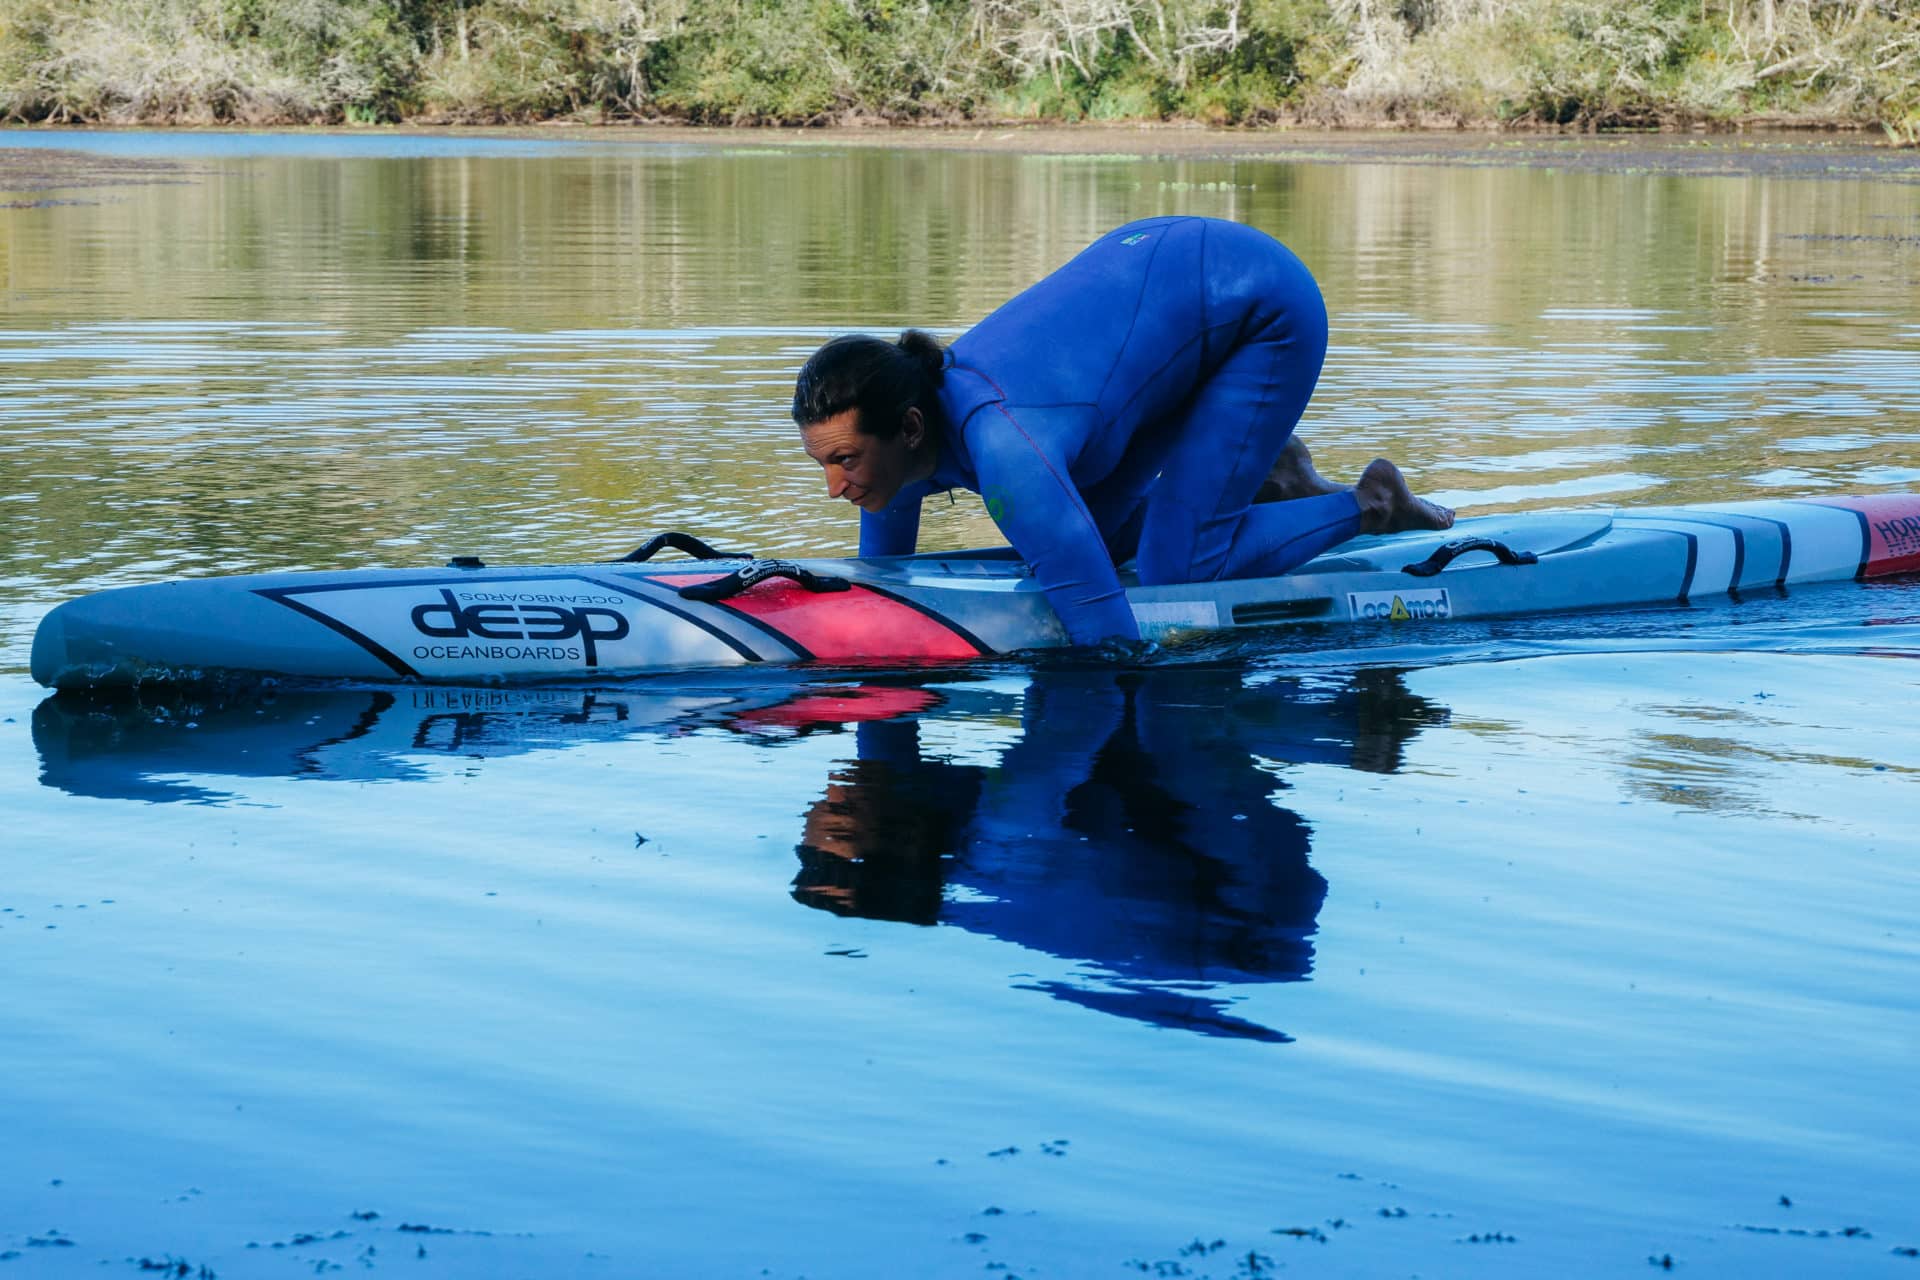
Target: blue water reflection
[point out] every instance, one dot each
(1593, 935)
(597, 942)
(1133, 824)
(1132, 828)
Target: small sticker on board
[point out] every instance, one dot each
(1160, 617)
(1429, 605)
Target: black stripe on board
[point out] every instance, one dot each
(940, 618)
(716, 632)
(1866, 535)
(280, 596)
(1739, 546)
(1785, 530)
(786, 642)
(801, 651)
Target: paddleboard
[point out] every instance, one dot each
(470, 622)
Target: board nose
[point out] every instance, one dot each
(49, 656)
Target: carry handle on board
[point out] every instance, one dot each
(679, 542)
(759, 571)
(1445, 556)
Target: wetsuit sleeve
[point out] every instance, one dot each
(1066, 722)
(1031, 497)
(894, 530)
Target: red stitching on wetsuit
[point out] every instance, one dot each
(1145, 276)
(984, 377)
(1001, 405)
(1199, 339)
(1201, 275)
(1072, 493)
(1247, 431)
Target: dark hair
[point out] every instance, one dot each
(879, 378)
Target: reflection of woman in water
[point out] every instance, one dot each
(1129, 828)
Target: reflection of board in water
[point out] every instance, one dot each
(1129, 830)
(138, 747)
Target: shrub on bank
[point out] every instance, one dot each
(1590, 63)
(814, 61)
(202, 61)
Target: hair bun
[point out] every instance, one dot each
(926, 349)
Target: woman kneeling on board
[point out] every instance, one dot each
(1138, 403)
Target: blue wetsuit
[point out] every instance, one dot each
(1129, 406)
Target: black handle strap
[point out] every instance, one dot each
(684, 542)
(1446, 555)
(759, 571)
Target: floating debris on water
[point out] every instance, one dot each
(1809, 1233)
(302, 1239)
(179, 1268)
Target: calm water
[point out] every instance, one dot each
(1541, 947)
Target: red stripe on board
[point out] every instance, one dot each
(840, 706)
(855, 623)
(1893, 531)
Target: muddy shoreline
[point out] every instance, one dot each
(29, 176)
(26, 171)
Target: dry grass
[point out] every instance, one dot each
(1582, 63)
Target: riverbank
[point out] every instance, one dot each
(28, 174)
(1493, 64)
(60, 158)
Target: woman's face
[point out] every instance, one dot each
(866, 470)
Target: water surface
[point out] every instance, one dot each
(1536, 947)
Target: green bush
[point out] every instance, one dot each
(1543, 62)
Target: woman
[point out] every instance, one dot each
(1128, 406)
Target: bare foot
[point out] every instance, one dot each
(1293, 476)
(1388, 504)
